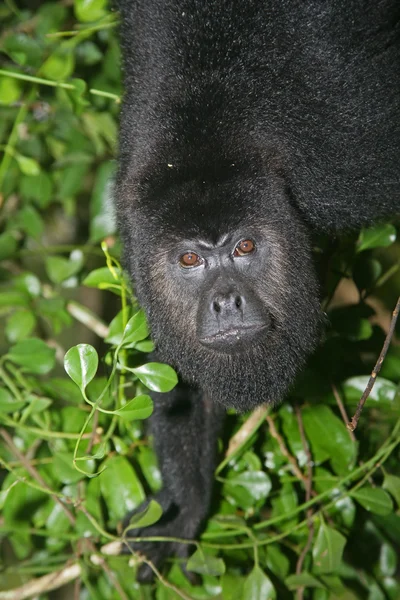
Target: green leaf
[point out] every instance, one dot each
(59, 65)
(8, 245)
(38, 188)
(140, 407)
(391, 483)
(256, 482)
(375, 500)
(64, 470)
(328, 550)
(277, 561)
(327, 433)
(8, 404)
(10, 90)
(20, 325)
(205, 564)
(379, 236)
(120, 487)
(81, 363)
(30, 221)
(303, 580)
(258, 586)
(387, 560)
(116, 329)
(384, 391)
(148, 516)
(103, 278)
(28, 166)
(136, 330)
(102, 222)
(89, 10)
(33, 355)
(156, 376)
(59, 269)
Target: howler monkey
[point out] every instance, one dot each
(245, 125)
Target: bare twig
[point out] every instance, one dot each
(309, 490)
(354, 421)
(55, 580)
(160, 577)
(86, 317)
(343, 411)
(40, 585)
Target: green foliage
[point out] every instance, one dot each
(302, 508)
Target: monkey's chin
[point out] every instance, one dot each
(261, 374)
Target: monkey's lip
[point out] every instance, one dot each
(232, 335)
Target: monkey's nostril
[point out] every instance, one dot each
(216, 307)
(238, 302)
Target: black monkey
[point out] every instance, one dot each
(245, 125)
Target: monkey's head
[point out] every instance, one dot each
(223, 270)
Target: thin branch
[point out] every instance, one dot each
(87, 318)
(354, 421)
(309, 490)
(34, 473)
(40, 585)
(343, 411)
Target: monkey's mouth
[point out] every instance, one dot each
(234, 338)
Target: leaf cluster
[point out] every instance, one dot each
(302, 508)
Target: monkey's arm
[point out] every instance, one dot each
(185, 426)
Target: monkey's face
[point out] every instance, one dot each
(232, 305)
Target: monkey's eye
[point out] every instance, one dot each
(190, 259)
(244, 247)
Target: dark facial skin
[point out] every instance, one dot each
(231, 315)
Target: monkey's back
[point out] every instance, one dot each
(317, 83)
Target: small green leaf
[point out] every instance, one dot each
(140, 407)
(303, 580)
(33, 355)
(329, 437)
(391, 483)
(10, 90)
(103, 278)
(375, 500)
(258, 586)
(89, 10)
(8, 245)
(379, 236)
(256, 482)
(120, 487)
(328, 549)
(136, 330)
(157, 376)
(81, 363)
(59, 65)
(8, 404)
(28, 166)
(205, 564)
(148, 516)
(20, 325)
(387, 560)
(384, 391)
(59, 268)
(116, 329)
(64, 470)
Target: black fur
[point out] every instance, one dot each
(265, 117)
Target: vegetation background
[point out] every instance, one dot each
(303, 508)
